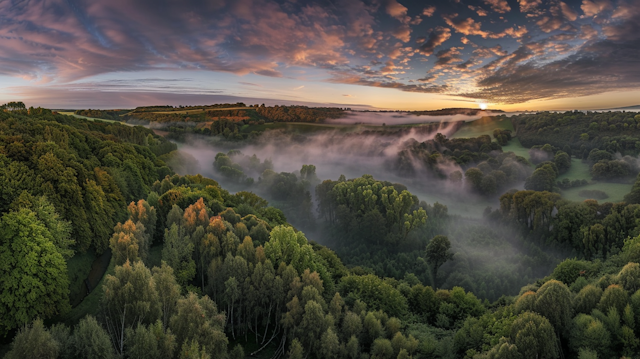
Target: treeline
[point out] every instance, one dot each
(582, 131)
(477, 163)
(299, 113)
(187, 108)
(291, 191)
(609, 141)
(104, 114)
(590, 229)
(452, 111)
(185, 116)
(247, 114)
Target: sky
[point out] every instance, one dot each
(389, 54)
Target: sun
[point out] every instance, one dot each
(483, 106)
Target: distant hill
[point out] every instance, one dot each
(453, 111)
(635, 107)
(445, 112)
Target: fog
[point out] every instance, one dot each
(401, 118)
(336, 152)
(480, 247)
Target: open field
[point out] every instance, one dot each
(616, 191)
(516, 147)
(87, 118)
(578, 170)
(483, 126)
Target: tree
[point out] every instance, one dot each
(141, 342)
(329, 344)
(192, 350)
(46, 213)
(34, 341)
(168, 291)
(553, 300)
(437, 253)
(474, 177)
(198, 319)
(130, 298)
(295, 350)
(145, 213)
(503, 350)
(381, 349)
(311, 325)
(562, 161)
(587, 299)
(90, 340)
(128, 242)
(534, 336)
(590, 333)
(542, 179)
(629, 277)
(178, 253)
(33, 273)
(613, 297)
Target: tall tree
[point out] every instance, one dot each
(438, 252)
(33, 272)
(130, 297)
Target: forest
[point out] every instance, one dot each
(238, 111)
(114, 115)
(200, 271)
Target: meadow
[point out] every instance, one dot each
(483, 126)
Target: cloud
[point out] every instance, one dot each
(499, 6)
(438, 36)
(428, 11)
(396, 10)
(73, 40)
(529, 5)
(606, 65)
(466, 26)
(588, 32)
(361, 42)
(353, 79)
(298, 88)
(594, 7)
(480, 11)
(447, 57)
(568, 12)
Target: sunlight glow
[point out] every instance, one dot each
(483, 106)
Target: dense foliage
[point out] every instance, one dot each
(114, 115)
(610, 141)
(235, 279)
(477, 163)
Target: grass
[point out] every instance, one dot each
(578, 170)
(615, 191)
(516, 147)
(483, 126)
(87, 118)
(78, 268)
(91, 303)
